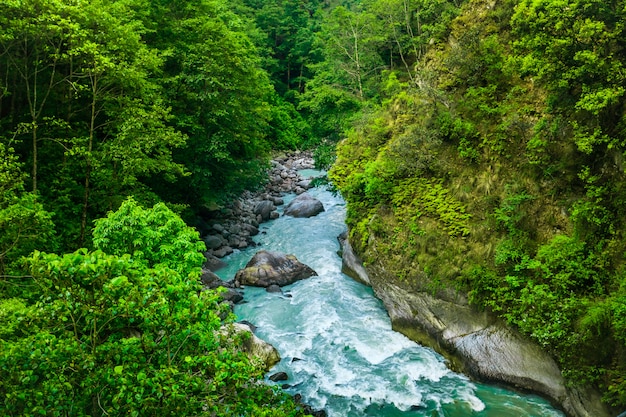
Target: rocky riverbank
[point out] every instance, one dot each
(232, 227)
(474, 342)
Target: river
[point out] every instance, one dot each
(336, 341)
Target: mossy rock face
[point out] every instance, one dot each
(256, 348)
(480, 345)
(273, 268)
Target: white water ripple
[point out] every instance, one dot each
(337, 344)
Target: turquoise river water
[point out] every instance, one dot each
(336, 341)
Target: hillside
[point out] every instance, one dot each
(493, 169)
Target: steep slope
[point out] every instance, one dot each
(485, 196)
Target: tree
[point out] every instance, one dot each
(122, 334)
(25, 224)
(153, 236)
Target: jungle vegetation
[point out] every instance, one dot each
(479, 145)
(489, 159)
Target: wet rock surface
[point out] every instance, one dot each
(268, 269)
(232, 227)
(304, 206)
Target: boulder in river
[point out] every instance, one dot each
(264, 208)
(257, 348)
(267, 268)
(304, 206)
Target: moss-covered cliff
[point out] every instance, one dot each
(494, 171)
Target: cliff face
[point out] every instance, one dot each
(489, 187)
(474, 342)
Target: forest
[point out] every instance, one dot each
(479, 145)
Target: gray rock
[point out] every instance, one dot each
(267, 268)
(213, 241)
(279, 376)
(231, 295)
(251, 229)
(273, 289)
(254, 347)
(306, 184)
(351, 264)
(274, 215)
(304, 206)
(263, 209)
(212, 262)
(223, 251)
(218, 228)
(479, 344)
(209, 279)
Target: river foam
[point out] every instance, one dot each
(336, 340)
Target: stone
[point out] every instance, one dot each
(264, 208)
(477, 343)
(351, 264)
(209, 279)
(223, 251)
(304, 206)
(273, 288)
(267, 268)
(212, 263)
(255, 347)
(251, 229)
(279, 376)
(213, 241)
(231, 295)
(306, 184)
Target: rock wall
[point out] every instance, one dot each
(474, 342)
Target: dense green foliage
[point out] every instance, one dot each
(482, 150)
(104, 99)
(97, 333)
(492, 163)
(105, 106)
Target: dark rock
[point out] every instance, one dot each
(213, 241)
(306, 184)
(273, 288)
(278, 201)
(252, 230)
(279, 376)
(351, 264)
(223, 251)
(304, 206)
(263, 209)
(231, 295)
(209, 279)
(218, 228)
(267, 268)
(250, 325)
(274, 215)
(213, 263)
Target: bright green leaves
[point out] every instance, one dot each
(422, 196)
(25, 224)
(154, 236)
(574, 48)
